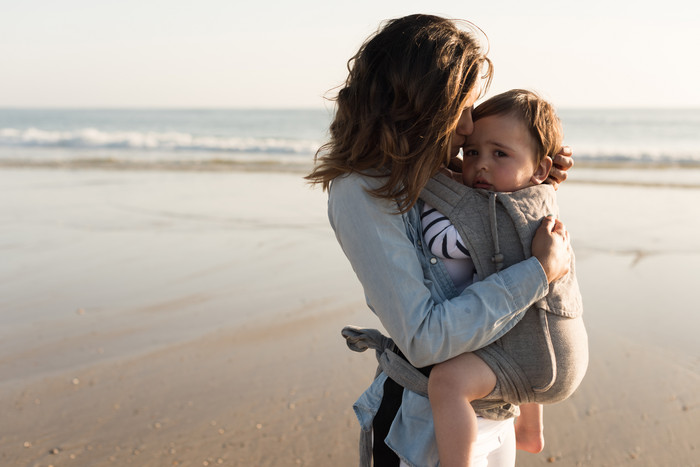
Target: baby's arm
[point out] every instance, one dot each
(443, 239)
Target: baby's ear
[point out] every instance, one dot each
(542, 171)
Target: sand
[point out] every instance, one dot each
(192, 318)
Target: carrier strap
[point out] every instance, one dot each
(498, 261)
(550, 349)
(396, 367)
(497, 257)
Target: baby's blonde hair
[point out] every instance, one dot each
(539, 117)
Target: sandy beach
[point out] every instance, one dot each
(192, 318)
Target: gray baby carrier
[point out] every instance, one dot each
(544, 357)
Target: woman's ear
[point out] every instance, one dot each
(542, 171)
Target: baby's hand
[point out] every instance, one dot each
(455, 164)
(453, 170)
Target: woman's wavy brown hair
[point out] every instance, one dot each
(395, 115)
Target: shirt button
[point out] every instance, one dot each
(433, 260)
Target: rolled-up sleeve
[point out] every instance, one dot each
(385, 259)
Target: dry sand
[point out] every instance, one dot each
(157, 318)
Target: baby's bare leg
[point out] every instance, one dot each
(451, 387)
(529, 428)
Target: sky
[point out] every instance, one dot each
(285, 54)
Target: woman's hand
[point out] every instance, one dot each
(561, 163)
(551, 248)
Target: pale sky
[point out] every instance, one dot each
(288, 54)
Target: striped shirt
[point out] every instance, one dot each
(444, 241)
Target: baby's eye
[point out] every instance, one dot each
(501, 154)
(471, 152)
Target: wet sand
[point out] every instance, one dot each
(190, 318)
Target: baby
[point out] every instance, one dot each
(515, 134)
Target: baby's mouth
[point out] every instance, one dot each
(481, 183)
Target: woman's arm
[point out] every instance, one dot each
(386, 263)
(442, 236)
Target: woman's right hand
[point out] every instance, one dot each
(551, 248)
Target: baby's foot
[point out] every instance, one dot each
(529, 438)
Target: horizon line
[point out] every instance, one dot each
(314, 108)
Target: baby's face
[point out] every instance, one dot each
(499, 155)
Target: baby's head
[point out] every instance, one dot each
(515, 136)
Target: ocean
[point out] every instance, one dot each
(200, 137)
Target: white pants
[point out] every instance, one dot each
(495, 444)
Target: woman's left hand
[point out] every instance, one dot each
(562, 162)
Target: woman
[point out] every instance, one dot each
(403, 114)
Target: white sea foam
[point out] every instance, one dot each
(291, 136)
(163, 141)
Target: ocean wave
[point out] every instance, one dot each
(156, 141)
(90, 143)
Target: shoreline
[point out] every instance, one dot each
(646, 174)
(282, 162)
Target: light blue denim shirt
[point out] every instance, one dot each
(414, 298)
